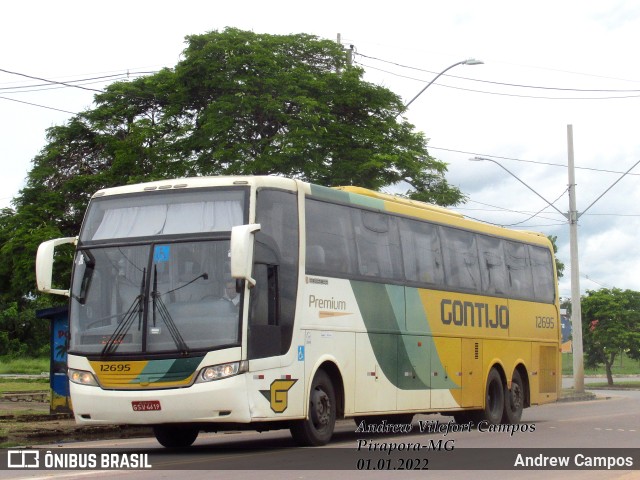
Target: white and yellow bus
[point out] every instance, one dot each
(208, 304)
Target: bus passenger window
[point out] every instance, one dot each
(462, 267)
(519, 270)
(492, 265)
(421, 252)
(542, 269)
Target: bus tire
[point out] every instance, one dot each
(317, 428)
(494, 398)
(173, 436)
(514, 400)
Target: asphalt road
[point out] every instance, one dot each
(608, 424)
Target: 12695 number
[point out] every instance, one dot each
(115, 367)
(545, 322)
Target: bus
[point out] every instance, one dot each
(218, 303)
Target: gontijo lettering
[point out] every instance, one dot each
(473, 314)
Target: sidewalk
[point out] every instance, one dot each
(570, 395)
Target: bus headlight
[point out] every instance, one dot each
(81, 377)
(216, 372)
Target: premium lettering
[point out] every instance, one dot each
(328, 303)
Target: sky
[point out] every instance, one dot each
(547, 65)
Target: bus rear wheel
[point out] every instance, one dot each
(317, 428)
(172, 436)
(514, 400)
(494, 398)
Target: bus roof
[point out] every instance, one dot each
(391, 203)
(200, 182)
(414, 208)
(401, 200)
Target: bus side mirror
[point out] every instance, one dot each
(44, 264)
(242, 252)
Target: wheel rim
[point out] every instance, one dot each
(516, 397)
(320, 409)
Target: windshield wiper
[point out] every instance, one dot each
(89, 266)
(118, 335)
(160, 307)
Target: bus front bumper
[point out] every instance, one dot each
(223, 400)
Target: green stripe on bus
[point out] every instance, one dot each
(172, 370)
(382, 308)
(409, 357)
(341, 196)
(331, 194)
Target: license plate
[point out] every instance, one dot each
(146, 406)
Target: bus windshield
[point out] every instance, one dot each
(163, 213)
(152, 276)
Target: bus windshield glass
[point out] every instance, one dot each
(163, 213)
(153, 276)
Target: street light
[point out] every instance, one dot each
(482, 159)
(469, 61)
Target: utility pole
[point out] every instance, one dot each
(339, 41)
(576, 310)
(349, 53)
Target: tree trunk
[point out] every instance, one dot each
(607, 365)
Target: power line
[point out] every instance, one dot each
(38, 105)
(529, 161)
(539, 97)
(524, 226)
(603, 285)
(500, 83)
(502, 209)
(498, 209)
(54, 82)
(538, 212)
(50, 81)
(85, 81)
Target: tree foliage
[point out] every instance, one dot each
(237, 102)
(559, 265)
(611, 324)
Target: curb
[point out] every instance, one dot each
(571, 396)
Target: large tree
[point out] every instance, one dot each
(237, 102)
(611, 324)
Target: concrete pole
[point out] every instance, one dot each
(576, 311)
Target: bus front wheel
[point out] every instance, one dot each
(317, 428)
(173, 436)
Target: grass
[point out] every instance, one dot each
(25, 366)
(23, 384)
(617, 383)
(623, 366)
